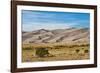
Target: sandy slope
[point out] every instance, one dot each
(57, 35)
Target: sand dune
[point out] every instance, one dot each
(57, 35)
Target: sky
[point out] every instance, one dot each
(35, 20)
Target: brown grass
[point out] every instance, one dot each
(58, 51)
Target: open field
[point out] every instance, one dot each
(57, 51)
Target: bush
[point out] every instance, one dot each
(41, 52)
(27, 48)
(77, 50)
(86, 51)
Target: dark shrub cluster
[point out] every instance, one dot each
(86, 51)
(41, 52)
(77, 50)
(27, 48)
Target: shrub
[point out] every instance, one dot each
(77, 50)
(82, 48)
(27, 48)
(41, 52)
(86, 51)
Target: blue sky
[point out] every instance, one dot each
(35, 20)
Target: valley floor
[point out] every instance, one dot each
(57, 52)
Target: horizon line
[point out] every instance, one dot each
(56, 29)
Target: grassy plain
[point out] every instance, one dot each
(57, 51)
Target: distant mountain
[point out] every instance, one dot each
(57, 35)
